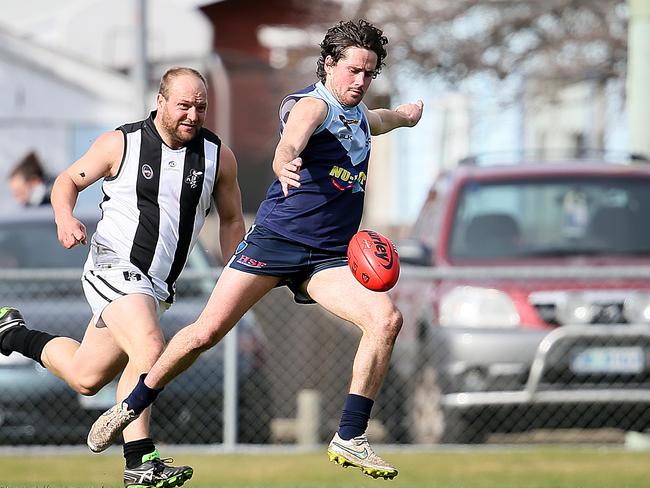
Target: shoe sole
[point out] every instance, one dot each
(94, 448)
(178, 480)
(372, 472)
(97, 448)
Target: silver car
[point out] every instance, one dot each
(42, 279)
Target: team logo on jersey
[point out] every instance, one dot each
(147, 171)
(193, 178)
(343, 179)
(132, 276)
(348, 122)
(172, 164)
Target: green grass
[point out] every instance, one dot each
(549, 467)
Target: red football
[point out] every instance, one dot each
(373, 260)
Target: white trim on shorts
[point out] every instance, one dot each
(104, 284)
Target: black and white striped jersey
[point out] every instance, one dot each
(155, 206)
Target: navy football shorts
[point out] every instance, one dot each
(265, 252)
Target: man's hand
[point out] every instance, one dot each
(412, 112)
(71, 232)
(289, 175)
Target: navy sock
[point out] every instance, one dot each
(142, 396)
(29, 343)
(355, 417)
(134, 450)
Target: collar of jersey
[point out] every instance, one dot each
(152, 127)
(326, 94)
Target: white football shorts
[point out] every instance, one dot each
(105, 282)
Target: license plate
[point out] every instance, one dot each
(621, 360)
(102, 400)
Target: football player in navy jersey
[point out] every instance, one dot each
(300, 237)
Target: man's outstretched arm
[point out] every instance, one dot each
(384, 120)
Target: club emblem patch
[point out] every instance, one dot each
(147, 171)
(193, 178)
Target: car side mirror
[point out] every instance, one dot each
(414, 252)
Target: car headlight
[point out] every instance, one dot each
(576, 310)
(636, 308)
(469, 306)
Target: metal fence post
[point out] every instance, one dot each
(230, 390)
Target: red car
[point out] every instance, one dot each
(536, 313)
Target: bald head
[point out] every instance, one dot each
(172, 74)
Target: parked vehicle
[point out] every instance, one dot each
(36, 407)
(530, 320)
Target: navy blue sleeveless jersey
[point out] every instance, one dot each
(325, 211)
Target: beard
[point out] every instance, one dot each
(180, 134)
(349, 99)
(183, 134)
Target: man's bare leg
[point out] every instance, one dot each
(375, 314)
(234, 293)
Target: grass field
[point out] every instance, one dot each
(495, 468)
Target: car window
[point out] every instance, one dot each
(34, 245)
(199, 261)
(29, 245)
(552, 217)
(426, 228)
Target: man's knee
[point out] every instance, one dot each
(90, 385)
(201, 336)
(386, 324)
(154, 346)
(146, 350)
(394, 323)
(209, 339)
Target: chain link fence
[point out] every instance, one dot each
(286, 374)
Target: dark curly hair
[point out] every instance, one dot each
(351, 34)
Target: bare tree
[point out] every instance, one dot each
(561, 39)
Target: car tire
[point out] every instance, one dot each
(254, 424)
(429, 422)
(426, 419)
(178, 420)
(391, 413)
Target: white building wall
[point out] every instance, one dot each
(51, 116)
(58, 71)
(562, 122)
(103, 32)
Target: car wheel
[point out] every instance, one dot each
(427, 423)
(254, 423)
(391, 413)
(176, 422)
(430, 423)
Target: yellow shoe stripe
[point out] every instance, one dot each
(373, 472)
